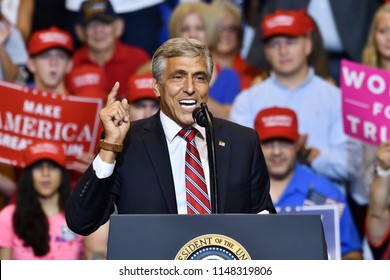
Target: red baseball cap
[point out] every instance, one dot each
(277, 122)
(88, 81)
(45, 150)
(53, 37)
(140, 87)
(292, 23)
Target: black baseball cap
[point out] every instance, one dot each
(96, 10)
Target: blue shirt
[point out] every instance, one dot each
(317, 104)
(297, 191)
(226, 86)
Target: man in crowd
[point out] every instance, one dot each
(141, 97)
(100, 28)
(323, 145)
(292, 183)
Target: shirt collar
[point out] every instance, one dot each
(171, 128)
(296, 185)
(310, 75)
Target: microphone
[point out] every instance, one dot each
(199, 117)
(203, 118)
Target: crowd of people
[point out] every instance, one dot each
(271, 67)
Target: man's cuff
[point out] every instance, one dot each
(102, 169)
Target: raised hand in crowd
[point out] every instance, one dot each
(306, 153)
(9, 69)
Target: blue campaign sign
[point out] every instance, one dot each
(330, 222)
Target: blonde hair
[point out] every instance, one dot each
(223, 7)
(204, 11)
(371, 54)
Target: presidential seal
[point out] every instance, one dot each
(212, 247)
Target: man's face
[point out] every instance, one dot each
(184, 87)
(280, 156)
(288, 56)
(49, 68)
(100, 36)
(143, 108)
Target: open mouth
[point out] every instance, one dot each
(187, 104)
(45, 184)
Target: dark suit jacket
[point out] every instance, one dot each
(142, 182)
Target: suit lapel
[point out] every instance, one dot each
(155, 142)
(222, 151)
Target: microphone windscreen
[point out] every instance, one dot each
(199, 117)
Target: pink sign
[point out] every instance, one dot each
(27, 115)
(365, 102)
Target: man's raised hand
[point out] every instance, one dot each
(115, 117)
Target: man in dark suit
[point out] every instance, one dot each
(147, 176)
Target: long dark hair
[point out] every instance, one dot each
(318, 58)
(29, 221)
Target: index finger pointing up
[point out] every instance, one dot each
(111, 98)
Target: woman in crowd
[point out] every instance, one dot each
(35, 227)
(374, 175)
(378, 215)
(227, 51)
(195, 20)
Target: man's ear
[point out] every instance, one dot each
(70, 66)
(156, 88)
(309, 45)
(79, 30)
(31, 65)
(119, 27)
(301, 142)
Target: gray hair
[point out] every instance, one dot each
(179, 47)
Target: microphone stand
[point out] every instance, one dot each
(212, 161)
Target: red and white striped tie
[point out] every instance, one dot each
(198, 201)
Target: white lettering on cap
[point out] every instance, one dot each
(50, 37)
(87, 80)
(281, 20)
(44, 148)
(97, 7)
(144, 83)
(272, 121)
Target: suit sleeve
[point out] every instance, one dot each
(90, 203)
